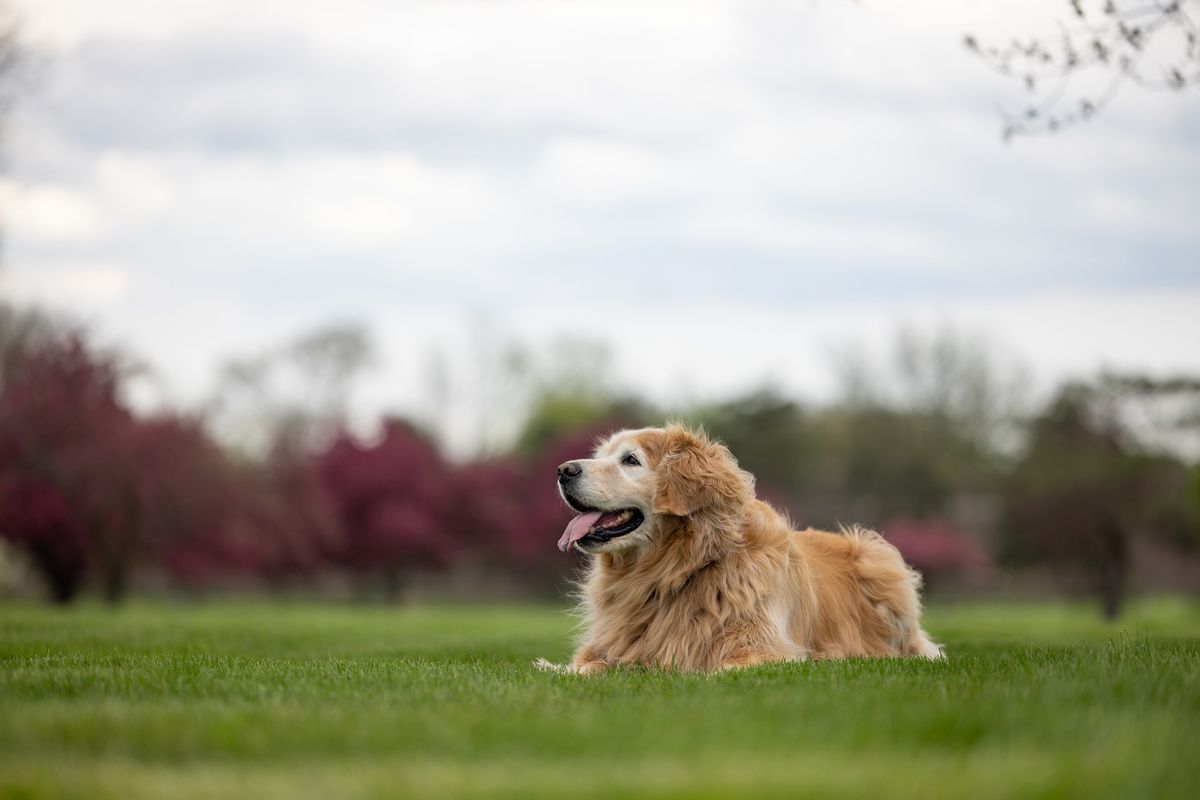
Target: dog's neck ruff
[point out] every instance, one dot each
(669, 564)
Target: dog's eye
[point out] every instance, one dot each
(630, 460)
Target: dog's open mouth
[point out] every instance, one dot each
(594, 527)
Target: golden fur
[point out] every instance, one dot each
(715, 578)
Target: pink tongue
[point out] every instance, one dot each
(577, 529)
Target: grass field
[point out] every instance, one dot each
(285, 700)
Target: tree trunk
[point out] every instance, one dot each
(62, 572)
(1111, 601)
(115, 581)
(64, 587)
(1113, 569)
(393, 584)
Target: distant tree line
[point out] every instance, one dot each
(932, 444)
(91, 492)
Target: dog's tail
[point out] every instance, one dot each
(893, 588)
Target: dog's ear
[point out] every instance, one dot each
(694, 474)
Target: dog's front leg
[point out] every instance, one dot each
(743, 661)
(752, 657)
(588, 661)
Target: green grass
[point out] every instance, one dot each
(285, 700)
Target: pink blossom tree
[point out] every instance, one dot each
(393, 500)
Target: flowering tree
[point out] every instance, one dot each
(492, 512)
(64, 449)
(35, 516)
(87, 488)
(393, 501)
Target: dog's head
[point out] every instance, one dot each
(640, 481)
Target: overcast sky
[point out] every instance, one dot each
(720, 190)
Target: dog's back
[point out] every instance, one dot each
(867, 600)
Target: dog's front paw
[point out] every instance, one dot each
(590, 667)
(547, 666)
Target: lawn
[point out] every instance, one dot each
(266, 699)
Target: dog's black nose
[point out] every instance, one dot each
(568, 471)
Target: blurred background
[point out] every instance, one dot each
(311, 297)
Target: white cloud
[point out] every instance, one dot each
(43, 212)
(602, 171)
(83, 286)
(135, 189)
(117, 192)
(389, 200)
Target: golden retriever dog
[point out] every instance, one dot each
(689, 571)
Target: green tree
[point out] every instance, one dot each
(913, 427)
(1087, 485)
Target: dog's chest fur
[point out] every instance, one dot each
(697, 615)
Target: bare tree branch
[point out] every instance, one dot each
(1154, 46)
